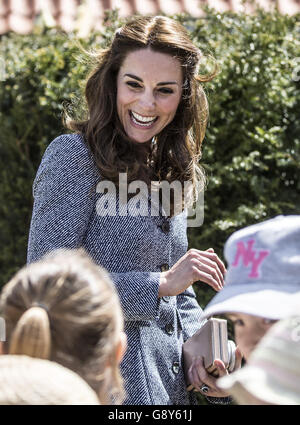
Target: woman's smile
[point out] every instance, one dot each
(149, 88)
(141, 121)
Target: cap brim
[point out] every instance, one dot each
(271, 302)
(252, 385)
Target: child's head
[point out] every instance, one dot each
(272, 374)
(28, 381)
(65, 308)
(248, 330)
(262, 279)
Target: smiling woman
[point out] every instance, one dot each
(147, 101)
(146, 118)
(145, 87)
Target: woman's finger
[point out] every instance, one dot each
(207, 379)
(194, 378)
(206, 278)
(209, 270)
(222, 371)
(213, 256)
(213, 266)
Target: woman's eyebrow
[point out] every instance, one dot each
(165, 83)
(133, 76)
(159, 84)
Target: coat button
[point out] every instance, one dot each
(169, 328)
(165, 226)
(175, 367)
(166, 299)
(164, 267)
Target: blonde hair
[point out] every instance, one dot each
(28, 381)
(65, 308)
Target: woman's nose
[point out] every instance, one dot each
(147, 101)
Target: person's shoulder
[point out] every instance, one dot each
(68, 154)
(66, 157)
(70, 145)
(68, 150)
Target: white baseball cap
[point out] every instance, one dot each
(263, 274)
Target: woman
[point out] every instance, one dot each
(64, 309)
(146, 117)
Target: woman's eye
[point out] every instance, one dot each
(166, 90)
(133, 84)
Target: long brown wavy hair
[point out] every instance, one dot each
(64, 308)
(176, 152)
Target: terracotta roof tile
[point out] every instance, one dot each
(126, 7)
(220, 5)
(170, 7)
(4, 7)
(19, 15)
(145, 7)
(288, 7)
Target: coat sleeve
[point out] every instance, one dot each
(138, 292)
(62, 201)
(190, 313)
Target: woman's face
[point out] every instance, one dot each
(248, 330)
(149, 87)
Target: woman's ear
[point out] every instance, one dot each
(121, 347)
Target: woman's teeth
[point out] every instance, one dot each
(142, 121)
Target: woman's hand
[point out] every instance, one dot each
(194, 265)
(198, 375)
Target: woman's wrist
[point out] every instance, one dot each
(163, 285)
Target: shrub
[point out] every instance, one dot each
(252, 148)
(43, 72)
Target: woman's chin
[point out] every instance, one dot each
(140, 140)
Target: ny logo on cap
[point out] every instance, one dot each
(250, 256)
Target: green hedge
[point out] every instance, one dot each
(251, 150)
(252, 147)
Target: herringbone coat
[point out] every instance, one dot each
(134, 250)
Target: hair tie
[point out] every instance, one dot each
(41, 305)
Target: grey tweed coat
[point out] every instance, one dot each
(134, 250)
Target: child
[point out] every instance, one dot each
(64, 308)
(260, 285)
(28, 381)
(272, 375)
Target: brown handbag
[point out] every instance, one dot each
(211, 343)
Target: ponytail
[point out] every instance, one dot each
(31, 335)
(64, 308)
